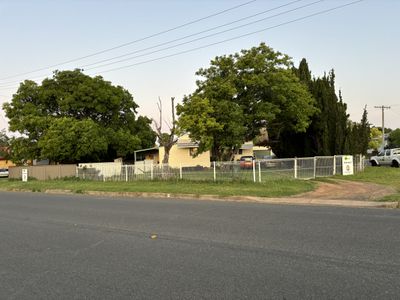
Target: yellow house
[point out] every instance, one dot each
(181, 154)
(5, 163)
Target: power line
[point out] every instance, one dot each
(204, 31)
(134, 41)
(230, 39)
(15, 83)
(190, 41)
(12, 83)
(233, 38)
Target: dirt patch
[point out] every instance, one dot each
(348, 190)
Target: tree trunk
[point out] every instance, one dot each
(166, 154)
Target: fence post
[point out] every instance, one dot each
(361, 163)
(126, 173)
(180, 171)
(295, 168)
(254, 171)
(315, 167)
(215, 174)
(334, 165)
(259, 172)
(151, 171)
(363, 166)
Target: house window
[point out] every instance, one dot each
(240, 151)
(192, 151)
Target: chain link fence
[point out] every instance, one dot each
(255, 171)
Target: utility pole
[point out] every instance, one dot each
(383, 107)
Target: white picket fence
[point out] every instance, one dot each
(258, 171)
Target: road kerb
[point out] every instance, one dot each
(286, 200)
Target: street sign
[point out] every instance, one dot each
(24, 175)
(347, 165)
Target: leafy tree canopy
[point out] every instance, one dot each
(241, 94)
(394, 138)
(73, 117)
(4, 144)
(375, 138)
(330, 131)
(4, 139)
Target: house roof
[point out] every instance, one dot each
(247, 146)
(183, 145)
(145, 150)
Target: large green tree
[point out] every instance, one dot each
(327, 131)
(330, 132)
(73, 117)
(241, 94)
(358, 136)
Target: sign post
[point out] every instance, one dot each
(347, 165)
(24, 175)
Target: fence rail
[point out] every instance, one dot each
(256, 171)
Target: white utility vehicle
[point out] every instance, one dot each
(387, 157)
(3, 172)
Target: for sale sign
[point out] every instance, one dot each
(347, 165)
(25, 175)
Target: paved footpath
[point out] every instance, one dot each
(80, 246)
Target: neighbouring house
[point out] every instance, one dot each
(105, 169)
(248, 149)
(5, 163)
(181, 154)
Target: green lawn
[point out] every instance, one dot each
(273, 188)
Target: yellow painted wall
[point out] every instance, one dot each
(153, 157)
(6, 163)
(181, 157)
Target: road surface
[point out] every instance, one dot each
(78, 246)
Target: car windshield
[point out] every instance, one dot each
(246, 158)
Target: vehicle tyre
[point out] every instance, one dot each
(395, 164)
(373, 163)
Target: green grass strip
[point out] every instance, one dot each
(273, 188)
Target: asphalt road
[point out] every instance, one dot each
(77, 246)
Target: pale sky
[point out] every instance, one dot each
(361, 42)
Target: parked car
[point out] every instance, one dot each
(3, 172)
(246, 162)
(387, 157)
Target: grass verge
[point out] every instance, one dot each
(273, 188)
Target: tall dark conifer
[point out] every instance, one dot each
(327, 132)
